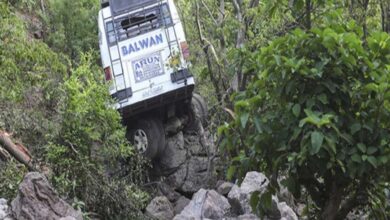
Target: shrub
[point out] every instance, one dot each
(90, 137)
(319, 111)
(11, 174)
(30, 83)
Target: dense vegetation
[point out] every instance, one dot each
(301, 90)
(54, 101)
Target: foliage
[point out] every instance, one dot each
(11, 174)
(28, 5)
(319, 110)
(63, 116)
(90, 136)
(72, 26)
(30, 74)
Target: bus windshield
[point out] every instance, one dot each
(118, 6)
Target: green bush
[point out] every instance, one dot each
(30, 83)
(90, 137)
(318, 112)
(72, 26)
(11, 174)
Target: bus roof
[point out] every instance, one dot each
(118, 6)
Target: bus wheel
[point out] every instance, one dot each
(148, 137)
(201, 109)
(197, 112)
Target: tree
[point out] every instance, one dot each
(318, 114)
(72, 26)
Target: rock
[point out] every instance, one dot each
(274, 213)
(248, 217)
(192, 176)
(225, 188)
(254, 181)
(160, 208)
(68, 218)
(197, 176)
(238, 201)
(244, 217)
(168, 192)
(5, 213)
(286, 212)
(205, 204)
(173, 126)
(174, 155)
(239, 197)
(180, 204)
(36, 199)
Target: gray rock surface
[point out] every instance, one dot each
(187, 164)
(167, 191)
(5, 212)
(286, 212)
(205, 204)
(180, 204)
(254, 181)
(239, 197)
(225, 188)
(36, 199)
(244, 217)
(175, 154)
(160, 208)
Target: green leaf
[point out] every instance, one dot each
(362, 147)
(266, 200)
(257, 122)
(296, 110)
(323, 98)
(331, 144)
(371, 150)
(254, 200)
(383, 159)
(317, 139)
(355, 128)
(356, 158)
(372, 160)
(230, 172)
(244, 119)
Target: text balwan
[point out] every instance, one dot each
(142, 44)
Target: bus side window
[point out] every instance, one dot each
(166, 15)
(110, 32)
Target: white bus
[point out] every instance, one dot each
(144, 56)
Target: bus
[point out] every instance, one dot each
(144, 56)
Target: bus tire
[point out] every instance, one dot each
(148, 137)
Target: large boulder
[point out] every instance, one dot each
(205, 204)
(5, 213)
(197, 176)
(174, 155)
(244, 217)
(286, 212)
(160, 208)
(191, 172)
(36, 199)
(239, 197)
(254, 181)
(224, 188)
(180, 204)
(166, 190)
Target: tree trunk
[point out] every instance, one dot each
(206, 47)
(385, 12)
(308, 14)
(333, 204)
(15, 151)
(240, 39)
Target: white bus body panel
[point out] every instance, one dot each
(152, 46)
